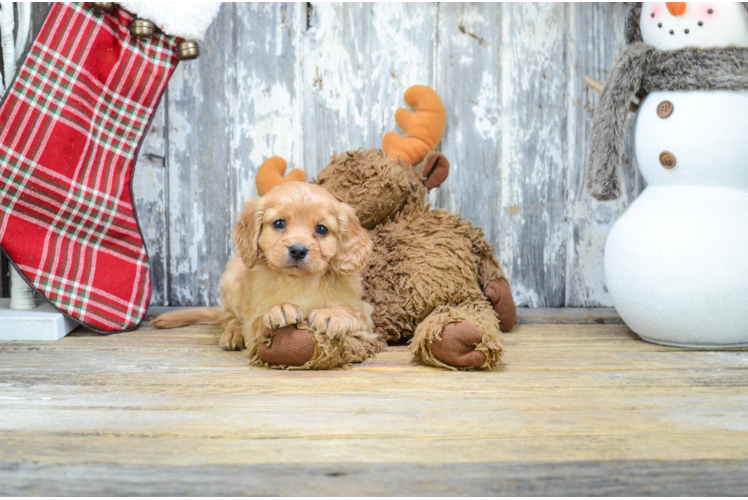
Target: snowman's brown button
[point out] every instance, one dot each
(664, 109)
(667, 160)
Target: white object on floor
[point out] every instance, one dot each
(22, 296)
(41, 323)
(676, 262)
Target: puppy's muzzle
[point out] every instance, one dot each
(297, 253)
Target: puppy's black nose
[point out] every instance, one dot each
(298, 252)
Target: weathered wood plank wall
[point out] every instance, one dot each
(304, 80)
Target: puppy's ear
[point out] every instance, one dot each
(247, 232)
(354, 244)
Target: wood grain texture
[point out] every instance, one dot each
(568, 316)
(469, 81)
(572, 409)
(595, 39)
(357, 61)
(534, 92)
(149, 194)
(601, 478)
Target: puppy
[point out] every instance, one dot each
(298, 255)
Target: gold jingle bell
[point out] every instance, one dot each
(142, 28)
(188, 50)
(103, 6)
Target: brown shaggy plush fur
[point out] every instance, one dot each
(429, 267)
(325, 353)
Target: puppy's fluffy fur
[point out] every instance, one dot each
(264, 287)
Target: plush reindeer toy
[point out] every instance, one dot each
(432, 277)
(676, 262)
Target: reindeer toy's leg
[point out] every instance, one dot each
(301, 347)
(466, 336)
(493, 281)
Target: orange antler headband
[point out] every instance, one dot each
(423, 128)
(270, 174)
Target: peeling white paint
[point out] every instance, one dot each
(525, 297)
(487, 121)
(597, 39)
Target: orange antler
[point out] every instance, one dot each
(270, 174)
(423, 129)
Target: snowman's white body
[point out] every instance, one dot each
(676, 262)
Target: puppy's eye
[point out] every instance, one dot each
(321, 230)
(279, 224)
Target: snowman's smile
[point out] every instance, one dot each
(686, 31)
(674, 25)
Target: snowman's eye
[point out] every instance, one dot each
(672, 32)
(653, 14)
(686, 32)
(710, 11)
(659, 25)
(701, 23)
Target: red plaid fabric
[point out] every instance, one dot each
(70, 127)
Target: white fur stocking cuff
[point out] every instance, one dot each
(188, 20)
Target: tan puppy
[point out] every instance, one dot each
(299, 251)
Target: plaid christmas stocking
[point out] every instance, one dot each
(71, 125)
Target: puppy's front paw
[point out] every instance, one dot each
(232, 340)
(282, 316)
(332, 322)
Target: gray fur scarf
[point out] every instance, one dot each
(642, 69)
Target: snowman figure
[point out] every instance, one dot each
(676, 262)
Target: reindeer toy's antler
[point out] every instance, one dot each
(423, 128)
(270, 174)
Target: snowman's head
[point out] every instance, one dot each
(674, 25)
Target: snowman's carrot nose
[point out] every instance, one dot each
(676, 8)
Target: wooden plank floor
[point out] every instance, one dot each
(581, 408)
